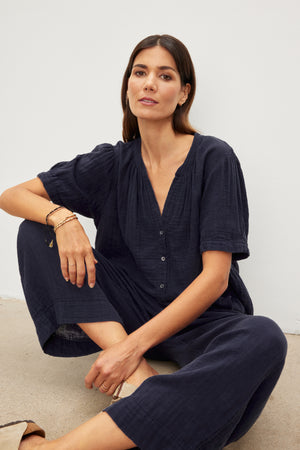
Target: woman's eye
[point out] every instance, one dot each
(166, 77)
(139, 73)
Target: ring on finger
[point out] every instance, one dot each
(103, 387)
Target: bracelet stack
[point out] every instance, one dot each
(66, 219)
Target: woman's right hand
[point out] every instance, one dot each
(76, 254)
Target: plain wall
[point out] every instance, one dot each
(62, 63)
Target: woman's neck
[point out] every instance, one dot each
(159, 142)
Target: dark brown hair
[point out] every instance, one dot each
(186, 71)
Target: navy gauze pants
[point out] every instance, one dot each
(229, 362)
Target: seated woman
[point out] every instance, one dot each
(171, 214)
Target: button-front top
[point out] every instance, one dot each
(205, 209)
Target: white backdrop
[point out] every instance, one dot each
(62, 63)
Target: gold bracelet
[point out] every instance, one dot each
(66, 220)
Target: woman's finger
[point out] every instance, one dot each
(112, 389)
(91, 377)
(64, 267)
(94, 378)
(107, 389)
(90, 269)
(80, 267)
(72, 268)
(104, 387)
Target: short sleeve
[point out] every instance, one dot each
(224, 206)
(82, 184)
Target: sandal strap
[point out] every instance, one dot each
(123, 390)
(33, 428)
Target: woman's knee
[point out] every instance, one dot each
(29, 228)
(32, 234)
(34, 252)
(269, 338)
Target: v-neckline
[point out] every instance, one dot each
(178, 172)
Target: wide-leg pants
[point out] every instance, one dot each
(229, 362)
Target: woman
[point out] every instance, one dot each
(171, 214)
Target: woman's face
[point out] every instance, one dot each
(154, 86)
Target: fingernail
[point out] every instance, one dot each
(67, 279)
(91, 285)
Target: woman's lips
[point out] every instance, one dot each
(148, 101)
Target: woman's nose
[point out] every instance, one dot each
(150, 84)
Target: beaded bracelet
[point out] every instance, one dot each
(66, 220)
(51, 212)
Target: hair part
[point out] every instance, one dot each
(186, 71)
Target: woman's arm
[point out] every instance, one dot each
(190, 304)
(30, 201)
(115, 364)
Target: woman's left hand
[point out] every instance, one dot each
(113, 366)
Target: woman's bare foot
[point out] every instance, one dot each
(143, 372)
(32, 443)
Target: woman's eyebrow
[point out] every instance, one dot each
(143, 66)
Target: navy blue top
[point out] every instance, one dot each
(206, 209)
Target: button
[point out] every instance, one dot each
(162, 285)
(161, 232)
(163, 258)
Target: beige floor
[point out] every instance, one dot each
(51, 390)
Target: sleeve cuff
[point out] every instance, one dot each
(239, 249)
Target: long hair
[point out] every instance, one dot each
(186, 71)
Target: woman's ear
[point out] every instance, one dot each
(185, 93)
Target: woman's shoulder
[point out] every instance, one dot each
(119, 150)
(208, 145)
(212, 152)
(118, 146)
